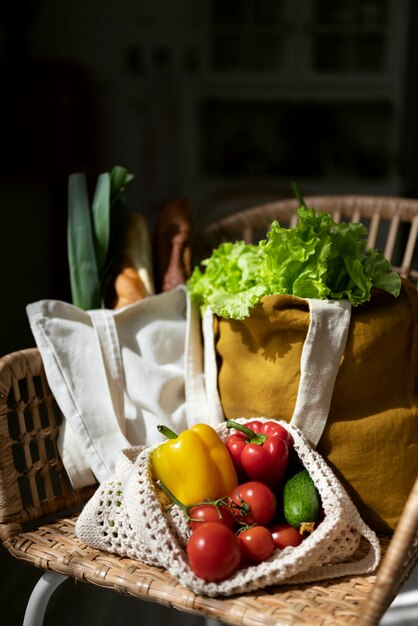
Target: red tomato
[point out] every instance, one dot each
(260, 500)
(285, 535)
(256, 544)
(210, 513)
(214, 552)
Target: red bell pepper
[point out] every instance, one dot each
(259, 450)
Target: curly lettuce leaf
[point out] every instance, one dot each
(380, 271)
(235, 305)
(354, 270)
(295, 259)
(229, 283)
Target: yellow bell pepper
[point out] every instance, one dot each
(194, 465)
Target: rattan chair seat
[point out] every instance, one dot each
(55, 547)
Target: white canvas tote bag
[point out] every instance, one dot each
(117, 374)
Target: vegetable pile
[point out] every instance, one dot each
(318, 258)
(90, 255)
(114, 259)
(244, 499)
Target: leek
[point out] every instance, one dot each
(89, 234)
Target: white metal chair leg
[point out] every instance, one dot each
(38, 601)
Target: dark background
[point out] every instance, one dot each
(222, 101)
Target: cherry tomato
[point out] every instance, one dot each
(285, 535)
(210, 513)
(256, 544)
(260, 499)
(214, 552)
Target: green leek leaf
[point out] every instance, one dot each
(119, 178)
(84, 278)
(101, 219)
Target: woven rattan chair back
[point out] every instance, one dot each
(38, 506)
(33, 482)
(392, 224)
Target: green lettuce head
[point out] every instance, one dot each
(318, 258)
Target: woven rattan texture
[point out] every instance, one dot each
(33, 481)
(56, 547)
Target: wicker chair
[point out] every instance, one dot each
(38, 507)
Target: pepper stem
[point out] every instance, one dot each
(225, 501)
(165, 430)
(172, 497)
(252, 437)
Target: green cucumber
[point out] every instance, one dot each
(301, 501)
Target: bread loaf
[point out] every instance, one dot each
(133, 278)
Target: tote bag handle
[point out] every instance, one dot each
(322, 352)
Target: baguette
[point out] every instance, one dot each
(133, 279)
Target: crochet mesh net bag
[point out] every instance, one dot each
(128, 515)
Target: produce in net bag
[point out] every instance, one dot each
(199, 508)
